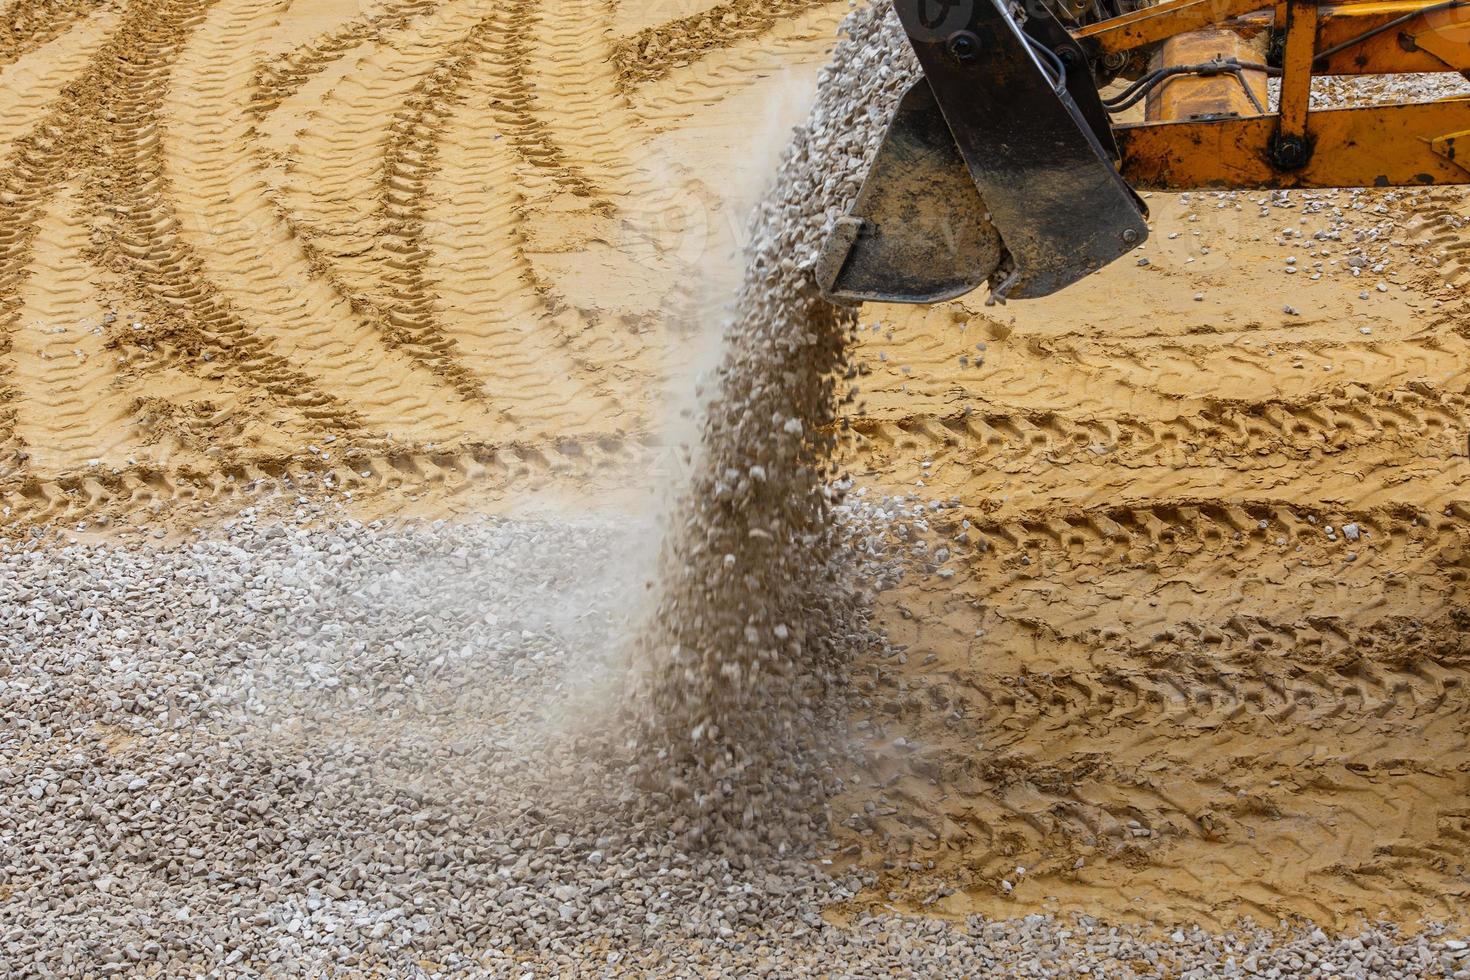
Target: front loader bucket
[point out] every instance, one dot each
(918, 232)
(1030, 158)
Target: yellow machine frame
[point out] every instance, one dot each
(1298, 146)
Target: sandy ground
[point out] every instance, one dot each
(429, 257)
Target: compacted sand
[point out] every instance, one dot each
(1178, 641)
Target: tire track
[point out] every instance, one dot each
(490, 297)
(1180, 663)
(1190, 835)
(411, 162)
(251, 252)
(1222, 431)
(411, 159)
(277, 80)
(210, 415)
(920, 364)
(1103, 534)
(1265, 677)
(123, 200)
(1282, 368)
(332, 183)
(359, 273)
(1213, 756)
(930, 361)
(1443, 228)
(793, 52)
(70, 414)
(139, 237)
(361, 172)
(1159, 580)
(633, 222)
(1357, 478)
(33, 82)
(1426, 469)
(655, 52)
(335, 169)
(28, 25)
(27, 179)
(36, 164)
(561, 44)
(516, 26)
(392, 272)
(137, 493)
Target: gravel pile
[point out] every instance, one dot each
(283, 750)
(1339, 91)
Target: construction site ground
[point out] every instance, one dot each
(1205, 655)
